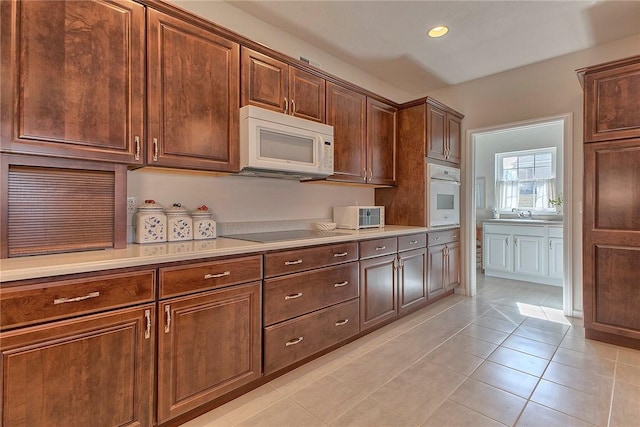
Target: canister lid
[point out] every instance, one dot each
(177, 209)
(150, 206)
(201, 211)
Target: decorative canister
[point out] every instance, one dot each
(150, 223)
(179, 223)
(203, 226)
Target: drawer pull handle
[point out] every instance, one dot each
(437, 238)
(294, 341)
(339, 285)
(293, 296)
(298, 261)
(167, 325)
(215, 276)
(413, 242)
(76, 299)
(147, 331)
(342, 322)
(380, 248)
(341, 254)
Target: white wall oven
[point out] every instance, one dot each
(443, 185)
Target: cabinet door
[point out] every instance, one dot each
(612, 103)
(412, 283)
(452, 277)
(381, 143)
(346, 112)
(378, 299)
(264, 81)
(73, 79)
(193, 96)
(555, 257)
(93, 370)
(306, 95)
(436, 133)
(528, 255)
(454, 138)
(436, 269)
(208, 345)
(497, 252)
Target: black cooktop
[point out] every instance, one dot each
(281, 236)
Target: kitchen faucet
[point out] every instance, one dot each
(522, 214)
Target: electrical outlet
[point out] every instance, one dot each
(131, 204)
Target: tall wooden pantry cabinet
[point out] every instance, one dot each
(611, 223)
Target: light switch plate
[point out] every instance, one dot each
(131, 204)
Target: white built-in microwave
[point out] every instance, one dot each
(443, 185)
(274, 144)
(358, 217)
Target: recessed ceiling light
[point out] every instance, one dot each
(438, 31)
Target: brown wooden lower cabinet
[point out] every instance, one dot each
(412, 280)
(379, 290)
(97, 370)
(293, 340)
(444, 262)
(208, 345)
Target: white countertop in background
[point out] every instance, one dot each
(136, 255)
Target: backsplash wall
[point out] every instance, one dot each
(237, 201)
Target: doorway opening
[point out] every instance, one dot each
(482, 196)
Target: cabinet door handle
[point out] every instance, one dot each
(286, 105)
(342, 322)
(293, 341)
(76, 299)
(341, 254)
(155, 149)
(298, 261)
(364, 175)
(515, 241)
(215, 276)
(437, 238)
(413, 242)
(293, 296)
(370, 174)
(550, 243)
(136, 139)
(293, 107)
(147, 331)
(167, 312)
(506, 240)
(380, 248)
(339, 285)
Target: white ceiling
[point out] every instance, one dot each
(387, 38)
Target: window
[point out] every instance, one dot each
(526, 179)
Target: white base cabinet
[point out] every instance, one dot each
(526, 252)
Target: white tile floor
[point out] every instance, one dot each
(505, 357)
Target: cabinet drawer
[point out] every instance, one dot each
(25, 305)
(442, 237)
(284, 262)
(293, 295)
(378, 247)
(209, 275)
(412, 241)
(555, 232)
(296, 339)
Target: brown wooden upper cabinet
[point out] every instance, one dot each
(612, 101)
(275, 85)
(381, 143)
(347, 112)
(193, 93)
(443, 133)
(73, 79)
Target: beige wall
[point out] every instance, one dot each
(544, 89)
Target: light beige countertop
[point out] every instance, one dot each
(136, 255)
(523, 221)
